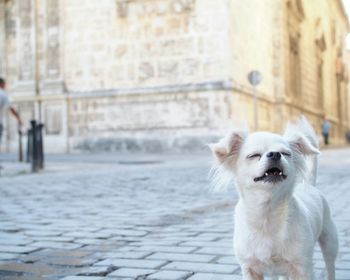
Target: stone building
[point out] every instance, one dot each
(159, 74)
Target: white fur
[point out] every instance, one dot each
(277, 224)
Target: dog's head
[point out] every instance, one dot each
(265, 160)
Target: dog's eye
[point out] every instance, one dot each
(286, 154)
(254, 156)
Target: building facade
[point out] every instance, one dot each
(171, 74)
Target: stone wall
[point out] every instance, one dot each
(142, 68)
(154, 121)
(127, 44)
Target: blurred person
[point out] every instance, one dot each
(5, 103)
(326, 126)
(347, 135)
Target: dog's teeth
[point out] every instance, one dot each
(280, 174)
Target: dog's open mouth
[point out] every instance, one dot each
(273, 174)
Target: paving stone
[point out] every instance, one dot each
(182, 257)
(138, 233)
(156, 242)
(207, 244)
(96, 270)
(342, 265)
(343, 274)
(85, 241)
(172, 249)
(346, 257)
(53, 238)
(42, 233)
(169, 275)
(55, 245)
(199, 267)
(64, 253)
(7, 256)
(103, 247)
(40, 269)
(208, 276)
(16, 249)
(215, 251)
(69, 261)
(118, 278)
(82, 278)
(227, 260)
(89, 235)
(132, 263)
(126, 255)
(14, 242)
(132, 273)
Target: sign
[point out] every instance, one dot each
(254, 77)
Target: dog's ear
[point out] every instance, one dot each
(302, 145)
(227, 149)
(302, 137)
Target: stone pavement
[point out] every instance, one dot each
(136, 217)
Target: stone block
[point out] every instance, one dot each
(199, 267)
(169, 275)
(132, 273)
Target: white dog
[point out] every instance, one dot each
(280, 214)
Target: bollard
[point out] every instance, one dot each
(34, 150)
(29, 145)
(20, 147)
(40, 146)
(35, 146)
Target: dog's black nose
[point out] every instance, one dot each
(274, 156)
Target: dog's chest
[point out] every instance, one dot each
(265, 249)
(268, 255)
(274, 266)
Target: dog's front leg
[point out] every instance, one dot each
(250, 274)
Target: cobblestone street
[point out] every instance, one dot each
(137, 217)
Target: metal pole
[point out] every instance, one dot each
(20, 147)
(34, 147)
(254, 78)
(256, 125)
(40, 146)
(29, 145)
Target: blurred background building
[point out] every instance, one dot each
(171, 74)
